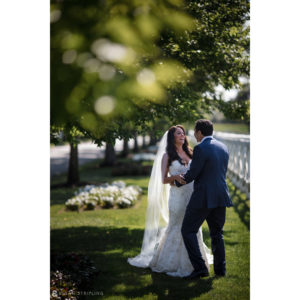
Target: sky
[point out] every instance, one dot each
(230, 94)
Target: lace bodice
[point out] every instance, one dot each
(177, 168)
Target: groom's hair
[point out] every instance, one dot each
(205, 126)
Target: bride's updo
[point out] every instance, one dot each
(171, 149)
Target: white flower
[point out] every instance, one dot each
(73, 202)
(108, 199)
(120, 184)
(106, 195)
(123, 203)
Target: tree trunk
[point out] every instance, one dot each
(73, 172)
(136, 146)
(125, 148)
(110, 155)
(153, 139)
(144, 146)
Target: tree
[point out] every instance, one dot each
(72, 135)
(135, 145)
(73, 172)
(119, 64)
(110, 155)
(144, 145)
(125, 150)
(238, 109)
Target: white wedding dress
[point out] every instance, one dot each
(163, 249)
(170, 255)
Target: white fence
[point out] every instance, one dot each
(239, 159)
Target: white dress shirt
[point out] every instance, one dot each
(206, 137)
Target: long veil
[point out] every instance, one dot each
(157, 215)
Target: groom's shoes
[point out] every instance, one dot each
(197, 274)
(220, 274)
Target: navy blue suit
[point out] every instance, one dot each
(208, 202)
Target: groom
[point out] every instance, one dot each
(208, 201)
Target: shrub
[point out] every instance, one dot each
(107, 202)
(74, 204)
(90, 204)
(123, 203)
(247, 217)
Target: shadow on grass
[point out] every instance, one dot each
(60, 196)
(166, 287)
(109, 248)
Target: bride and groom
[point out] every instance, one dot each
(178, 204)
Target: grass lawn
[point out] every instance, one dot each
(232, 127)
(110, 236)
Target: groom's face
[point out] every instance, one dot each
(198, 135)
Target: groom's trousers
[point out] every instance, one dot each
(193, 219)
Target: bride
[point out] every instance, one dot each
(163, 249)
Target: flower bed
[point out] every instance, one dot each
(116, 194)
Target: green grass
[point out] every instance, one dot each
(109, 237)
(232, 127)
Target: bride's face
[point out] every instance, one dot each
(179, 136)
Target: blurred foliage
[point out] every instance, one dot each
(66, 133)
(62, 287)
(118, 66)
(238, 109)
(70, 273)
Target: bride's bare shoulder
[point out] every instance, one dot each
(165, 159)
(165, 156)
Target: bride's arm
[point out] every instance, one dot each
(165, 171)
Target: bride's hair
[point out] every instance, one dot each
(171, 149)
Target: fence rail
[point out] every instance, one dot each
(239, 159)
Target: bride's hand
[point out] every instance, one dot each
(180, 179)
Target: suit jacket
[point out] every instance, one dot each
(208, 170)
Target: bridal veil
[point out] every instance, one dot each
(157, 215)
